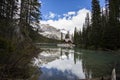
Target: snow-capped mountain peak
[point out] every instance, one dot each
(51, 32)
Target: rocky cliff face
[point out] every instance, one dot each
(51, 32)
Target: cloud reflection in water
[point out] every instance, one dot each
(63, 68)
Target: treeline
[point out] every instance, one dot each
(16, 48)
(101, 30)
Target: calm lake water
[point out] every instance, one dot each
(75, 64)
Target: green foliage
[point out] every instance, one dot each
(67, 35)
(76, 36)
(96, 26)
(103, 32)
(16, 47)
(113, 28)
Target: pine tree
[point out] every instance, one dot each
(87, 30)
(113, 29)
(7, 11)
(96, 24)
(80, 38)
(35, 11)
(84, 37)
(12, 49)
(30, 13)
(104, 22)
(76, 37)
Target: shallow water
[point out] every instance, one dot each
(75, 64)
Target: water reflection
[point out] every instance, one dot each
(70, 64)
(65, 64)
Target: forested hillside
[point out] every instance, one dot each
(102, 31)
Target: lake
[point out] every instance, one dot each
(75, 64)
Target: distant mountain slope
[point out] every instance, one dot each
(50, 32)
(40, 38)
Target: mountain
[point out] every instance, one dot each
(51, 32)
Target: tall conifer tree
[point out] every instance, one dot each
(96, 24)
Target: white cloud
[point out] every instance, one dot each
(40, 1)
(51, 15)
(71, 13)
(69, 21)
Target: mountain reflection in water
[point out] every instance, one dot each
(69, 64)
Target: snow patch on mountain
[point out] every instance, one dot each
(51, 32)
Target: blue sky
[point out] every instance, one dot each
(63, 6)
(55, 11)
